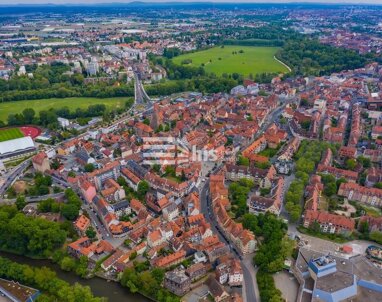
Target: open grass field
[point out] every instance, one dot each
(7, 108)
(11, 133)
(229, 60)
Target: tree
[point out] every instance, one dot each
(364, 161)
(305, 125)
(43, 190)
(89, 168)
(133, 255)
(156, 168)
(69, 211)
(20, 202)
(262, 165)
(364, 227)
(52, 288)
(143, 188)
(295, 214)
(12, 120)
(330, 189)
(82, 266)
(77, 79)
(28, 235)
(91, 233)
(183, 176)
(55, 164)
(351, 164)
(170, 171)
(29, 115)
(315, 227)
(67, 264)
(243, 161)
(117, 152)
(46, 205)
(158, 274)
(376, 236)
(267, 288)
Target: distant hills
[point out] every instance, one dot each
(197, 3)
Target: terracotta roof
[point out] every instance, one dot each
(39, 158)
(360, 189)
(82, 223)
(325, 217)
(170, 259)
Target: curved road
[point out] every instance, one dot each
(11, 176)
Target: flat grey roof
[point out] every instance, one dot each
(335, 282)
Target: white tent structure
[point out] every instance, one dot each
(16, 147)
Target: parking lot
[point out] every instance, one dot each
(325, 246)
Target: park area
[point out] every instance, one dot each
(244, 60)
(10, 133)
(7, 108)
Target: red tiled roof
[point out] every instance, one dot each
(325, 217)
(39, 158)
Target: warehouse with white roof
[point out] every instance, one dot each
(16, 148)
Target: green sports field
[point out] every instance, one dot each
(7, 108)
(12, 133)
(230, 60)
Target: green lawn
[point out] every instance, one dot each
(253, 60)
(7, 134)
(370, 211)
(7, 108)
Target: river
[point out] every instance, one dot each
(100, 288)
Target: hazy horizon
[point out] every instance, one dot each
(161, 1)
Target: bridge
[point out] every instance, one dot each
(141, 96)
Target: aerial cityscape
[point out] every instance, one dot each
(190, 151)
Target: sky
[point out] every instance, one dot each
(226, 1)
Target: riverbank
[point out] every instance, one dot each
(113, 291)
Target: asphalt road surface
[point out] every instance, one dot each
(13, 175)
(249, 273)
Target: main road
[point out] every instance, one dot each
(249, 273)
(140, 94)
(11, 176)
(250, 291)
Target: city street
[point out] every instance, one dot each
(96, 222)
(11, 176)
(250, 292)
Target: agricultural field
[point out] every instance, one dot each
(11, 133)
(244, 60)
(7, 108)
